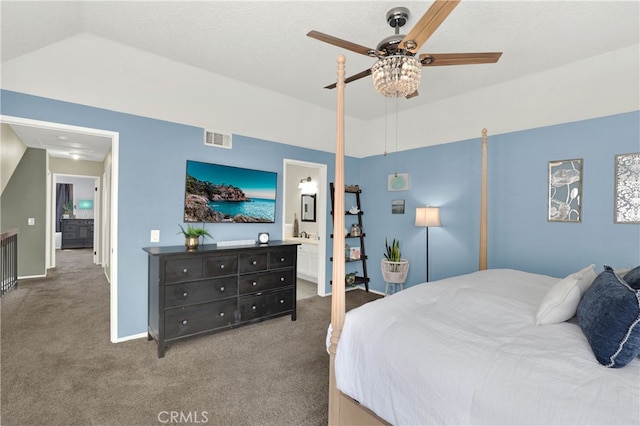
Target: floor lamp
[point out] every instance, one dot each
(427, 217)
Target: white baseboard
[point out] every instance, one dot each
(27, 277)
(132, 337)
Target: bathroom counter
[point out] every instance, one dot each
(302, 240)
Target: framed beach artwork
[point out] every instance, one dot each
(397, 207)
(565, 191)
(627, 198)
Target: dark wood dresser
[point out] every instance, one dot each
(210, 289)
(77, 233)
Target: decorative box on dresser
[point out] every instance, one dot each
(211, 288)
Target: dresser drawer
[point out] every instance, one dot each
(183, 294)
(282, 258)
(186, 269)
(69, 227)
(198, 318)
(217, 266)
(253, 262)
(252, 283)
(264, 305)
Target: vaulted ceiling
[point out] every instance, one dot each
(262, 46)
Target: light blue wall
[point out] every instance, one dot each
(153, 155)
(519, 234)
(447, 176)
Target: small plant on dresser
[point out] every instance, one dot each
(192, 236)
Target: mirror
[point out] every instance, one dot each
(308, 208)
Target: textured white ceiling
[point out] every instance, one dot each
(264, 43)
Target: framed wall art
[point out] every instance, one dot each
(565, 191)
(397, 207)
(627, 198)
(398, 182)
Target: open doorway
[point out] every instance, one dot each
(311, 228)
(55, 139)
(76, 204)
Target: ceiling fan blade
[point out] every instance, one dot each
(342, 43)
(352, 78)
(439, 59)
(427, 25)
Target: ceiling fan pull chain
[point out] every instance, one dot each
(386, 119)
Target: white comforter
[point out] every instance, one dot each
(466, 350)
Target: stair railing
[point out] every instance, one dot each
(8, 260)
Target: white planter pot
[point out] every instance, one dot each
(394, 272)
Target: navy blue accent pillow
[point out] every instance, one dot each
(609, 315)
(633, 277)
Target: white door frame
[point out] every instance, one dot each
(113, 234)
(321, 217)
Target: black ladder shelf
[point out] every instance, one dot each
(355, 190)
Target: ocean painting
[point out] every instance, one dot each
(224, 194)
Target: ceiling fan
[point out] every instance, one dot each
(397, 71)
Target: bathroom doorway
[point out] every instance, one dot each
(303, 179)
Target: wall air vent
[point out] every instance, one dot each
(217, 139)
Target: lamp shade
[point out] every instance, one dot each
(427, 216)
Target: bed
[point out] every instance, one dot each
(466, 350)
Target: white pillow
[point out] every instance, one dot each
(561, 301)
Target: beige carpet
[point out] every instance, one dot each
(59, 367)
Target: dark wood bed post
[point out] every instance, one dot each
(483, 205)
(337, 292)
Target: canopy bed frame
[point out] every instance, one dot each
(480, 348)
(343, 409)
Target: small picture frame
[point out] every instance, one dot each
(354, 253)
(397, 207)
(398, 182)
(627, 188)
(565, 191)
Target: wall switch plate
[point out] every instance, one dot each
(31, 221)
(155, 235)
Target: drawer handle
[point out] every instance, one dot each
(184, 322)
(254, 283)
(221, 314)
(221, 288)
(282, 259)
(185, 294)
(282, 279)
(281, 300)
(254, 263)
(221, 266)
(253, 308)
(185, 270)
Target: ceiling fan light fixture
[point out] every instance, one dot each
(396, 75)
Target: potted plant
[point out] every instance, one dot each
(192, 236)
(350, 279)
(394, 267)
(68, 209)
